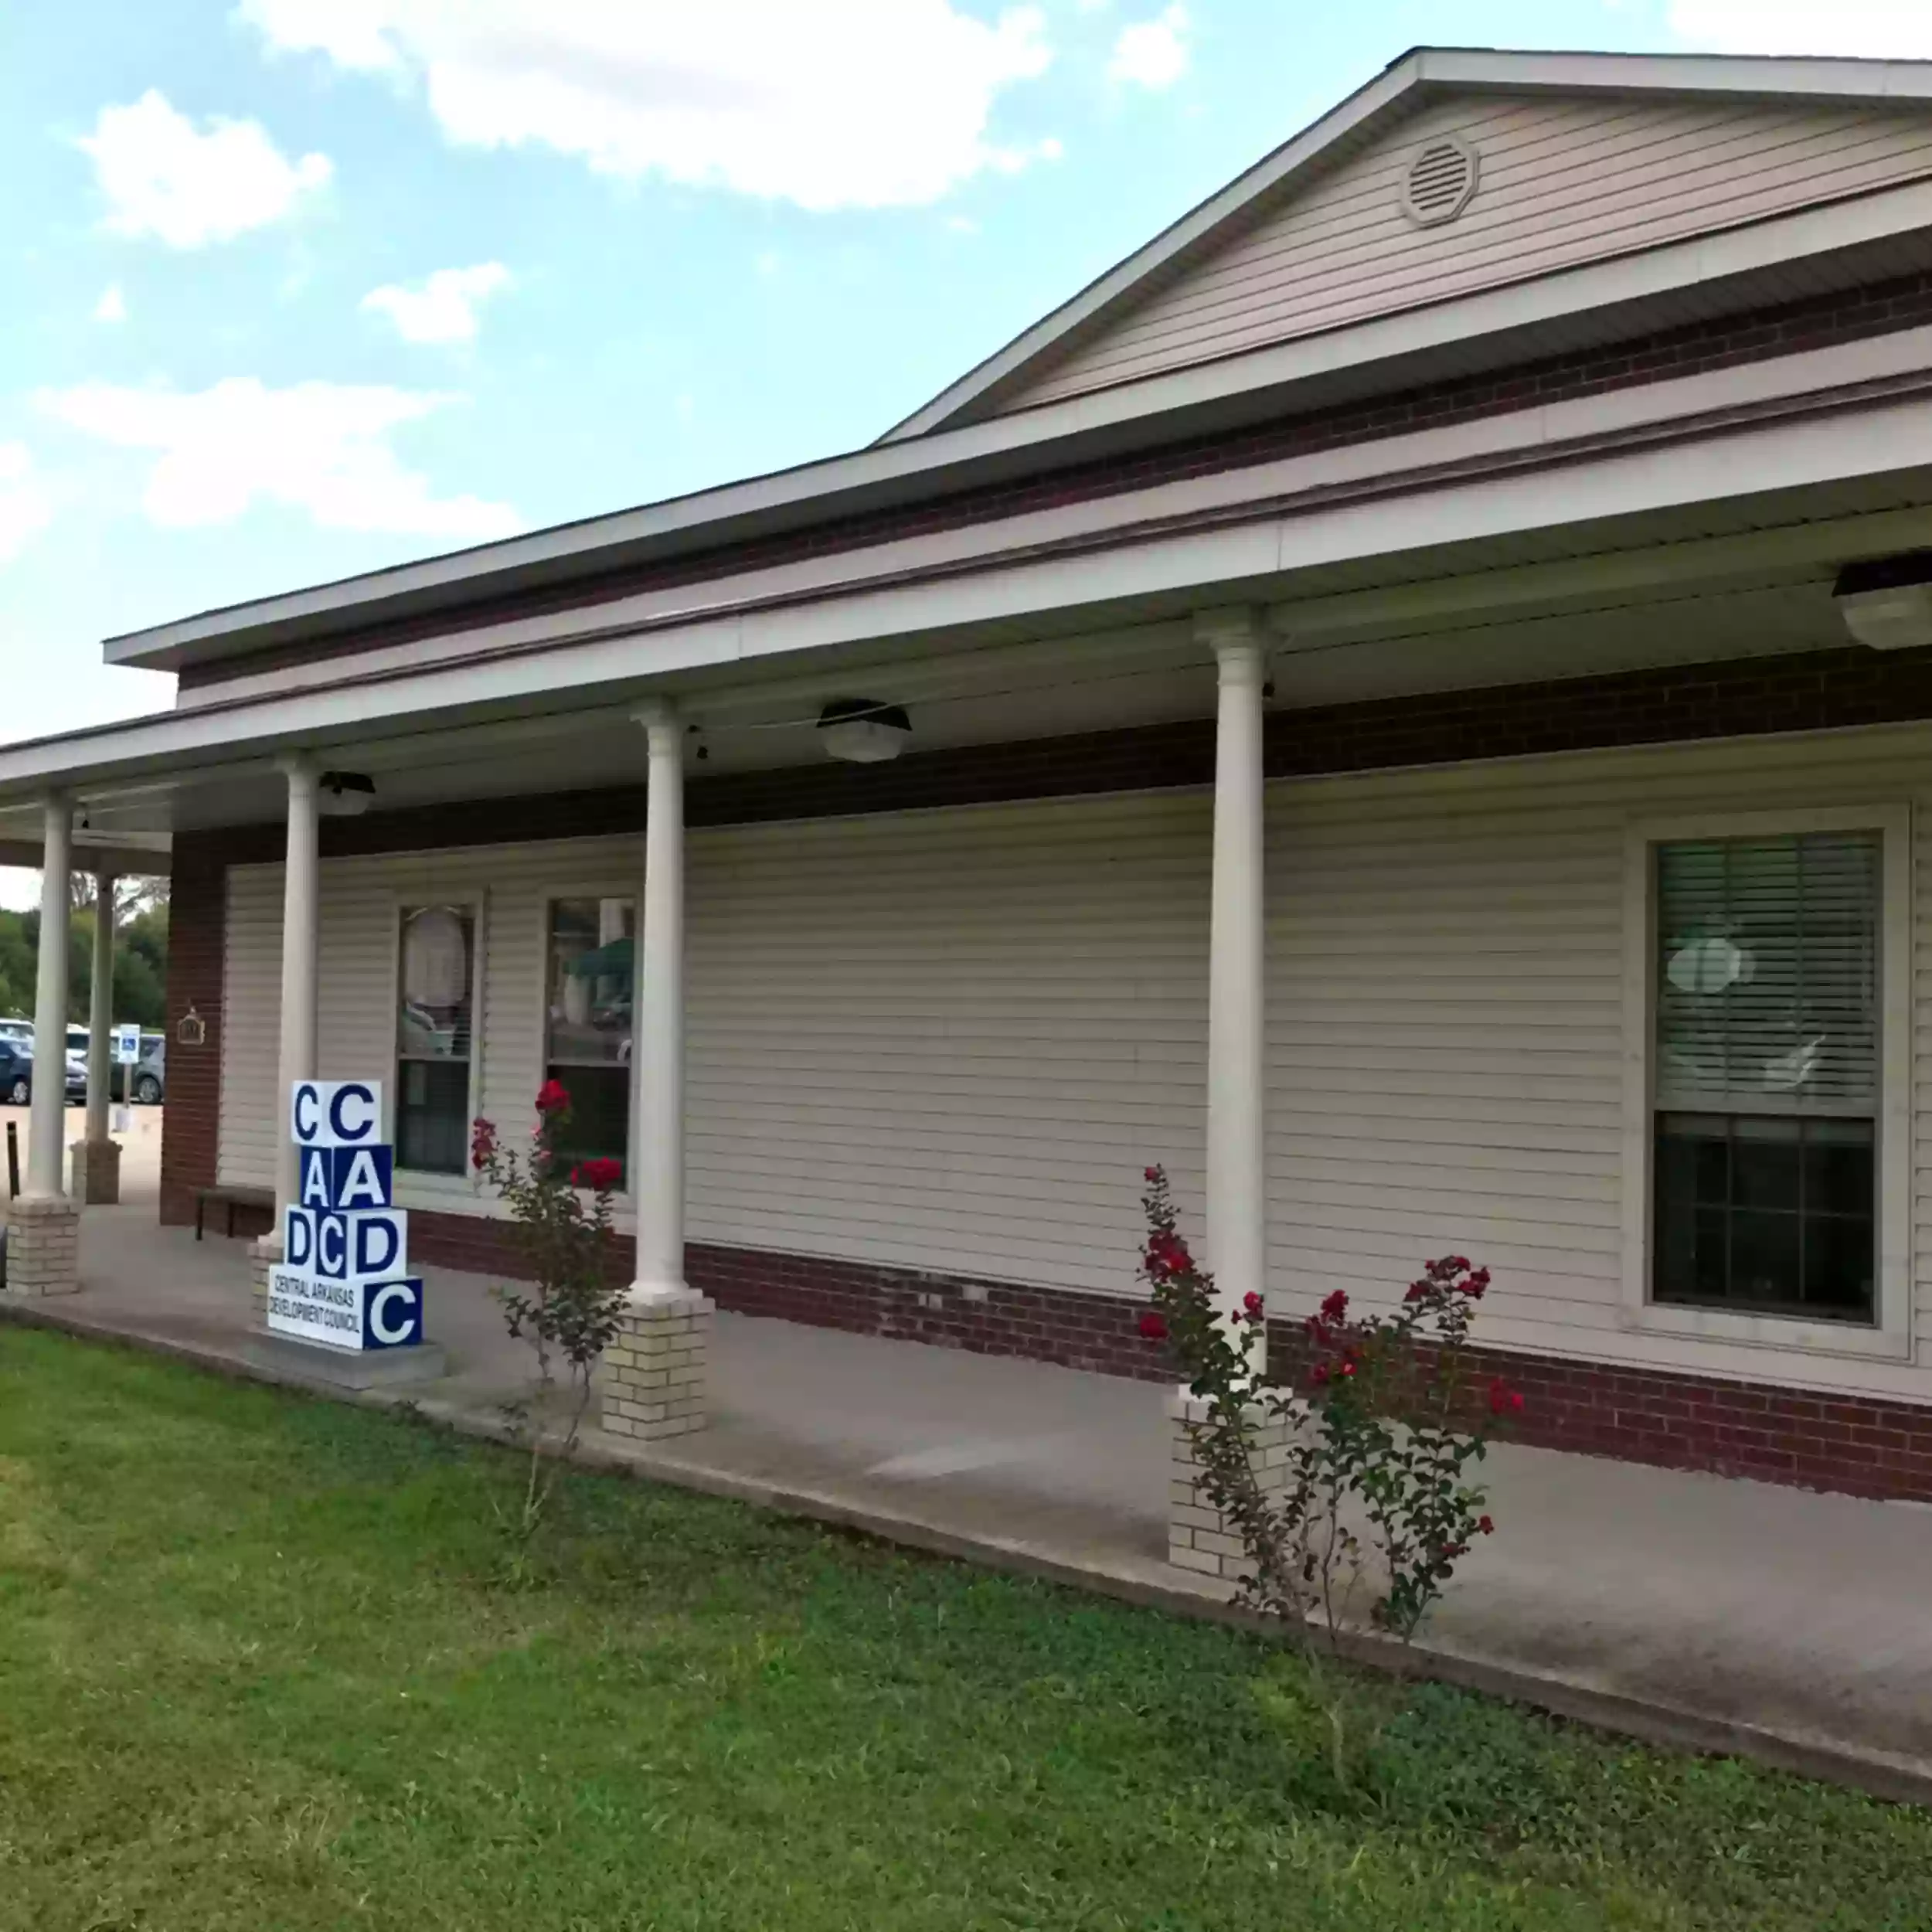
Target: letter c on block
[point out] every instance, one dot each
(345, 1134)
(386, 1332)
(306, 1129)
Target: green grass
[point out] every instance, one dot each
(258, 1669)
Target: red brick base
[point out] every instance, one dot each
(1864, 1446)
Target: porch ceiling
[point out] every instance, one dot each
(1748, 576)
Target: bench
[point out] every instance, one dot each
(231, 1198)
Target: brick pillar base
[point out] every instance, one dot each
(43, 1245)
(97, 1173)
(1198, 1538)
(264, 1253)
(655, 1373)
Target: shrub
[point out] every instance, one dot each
(570, 1310)
(1382, 1434)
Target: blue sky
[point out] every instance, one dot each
(296, 288)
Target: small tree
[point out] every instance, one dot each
(570, 1311)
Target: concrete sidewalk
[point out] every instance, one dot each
(1721, 1612)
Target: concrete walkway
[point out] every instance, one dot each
(1722, 1612)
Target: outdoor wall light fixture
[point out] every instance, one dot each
(861, 731)
(1887, 602)
(342, 795)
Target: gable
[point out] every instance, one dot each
(1562, 180)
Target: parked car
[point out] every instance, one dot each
(16, 1072)
(19, 1030)
(151, 1075)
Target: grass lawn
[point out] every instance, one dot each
(259, 1669)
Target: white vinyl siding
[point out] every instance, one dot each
(949, 1040)
(1563, 182)
(945, 1040)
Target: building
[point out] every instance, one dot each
(1409, 700)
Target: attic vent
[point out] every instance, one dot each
(1441, 178)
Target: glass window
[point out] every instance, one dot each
(433, 1038)
(589, 986)
(1765, 1132)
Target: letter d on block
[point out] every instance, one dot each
(377, 1240)
(298, 1240)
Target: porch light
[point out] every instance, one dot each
(1887, 602)
(342, 795)
(863, 732)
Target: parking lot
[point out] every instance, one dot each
(140, 1146)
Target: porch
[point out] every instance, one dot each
(1729, 1614)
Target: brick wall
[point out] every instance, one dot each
(197, 923)
(1717, 342)
(1864, 1446)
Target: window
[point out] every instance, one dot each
(434, 1036)
(1767, 998)
(588, 988)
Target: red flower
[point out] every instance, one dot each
(1252, 1302)
(1335, 1308)
(600, 1175)
(1152, 1176)
(482, 1141)
(1347, 1368)
(1166, 1254)
(1503, 1399)
(1484, 1524)
(1320, 1374)
(551, 1098)
(1153, 1327)
(1474, 1287)
(1416, 1291)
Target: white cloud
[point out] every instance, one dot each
(444, 308)
(1871, 29)
(1151, 54)
(319, 447)
(831, 105)
(112, 306)
(26, 503)
(162, 178)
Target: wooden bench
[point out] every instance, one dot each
(231, 1198)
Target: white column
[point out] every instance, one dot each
(301, 891)
(657, 1132)
(1237, 1159)
(100, 1011)
(46, 1138)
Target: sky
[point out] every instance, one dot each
(298, 288)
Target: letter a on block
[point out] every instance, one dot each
(315, 1189)
(362, 1177)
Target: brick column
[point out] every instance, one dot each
(1198, 1538)
(43, 1245)
(96, 1172)
(655, 1373)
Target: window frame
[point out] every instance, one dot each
(476, 901)
(1890, 1333)
(623, 1200)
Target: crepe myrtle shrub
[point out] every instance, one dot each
(1382, 1431)
(569, 1310)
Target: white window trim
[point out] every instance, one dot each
(477, 898)
(1891, 1336)
(622, 1204)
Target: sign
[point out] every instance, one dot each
(127, 1046)
(344, 1281)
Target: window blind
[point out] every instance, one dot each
(1767, 975)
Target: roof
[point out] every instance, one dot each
(952, 443)
(1423, 74)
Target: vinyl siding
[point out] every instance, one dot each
(949, 1040)
(1562, 182)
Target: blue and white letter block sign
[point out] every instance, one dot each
(344, 1279)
